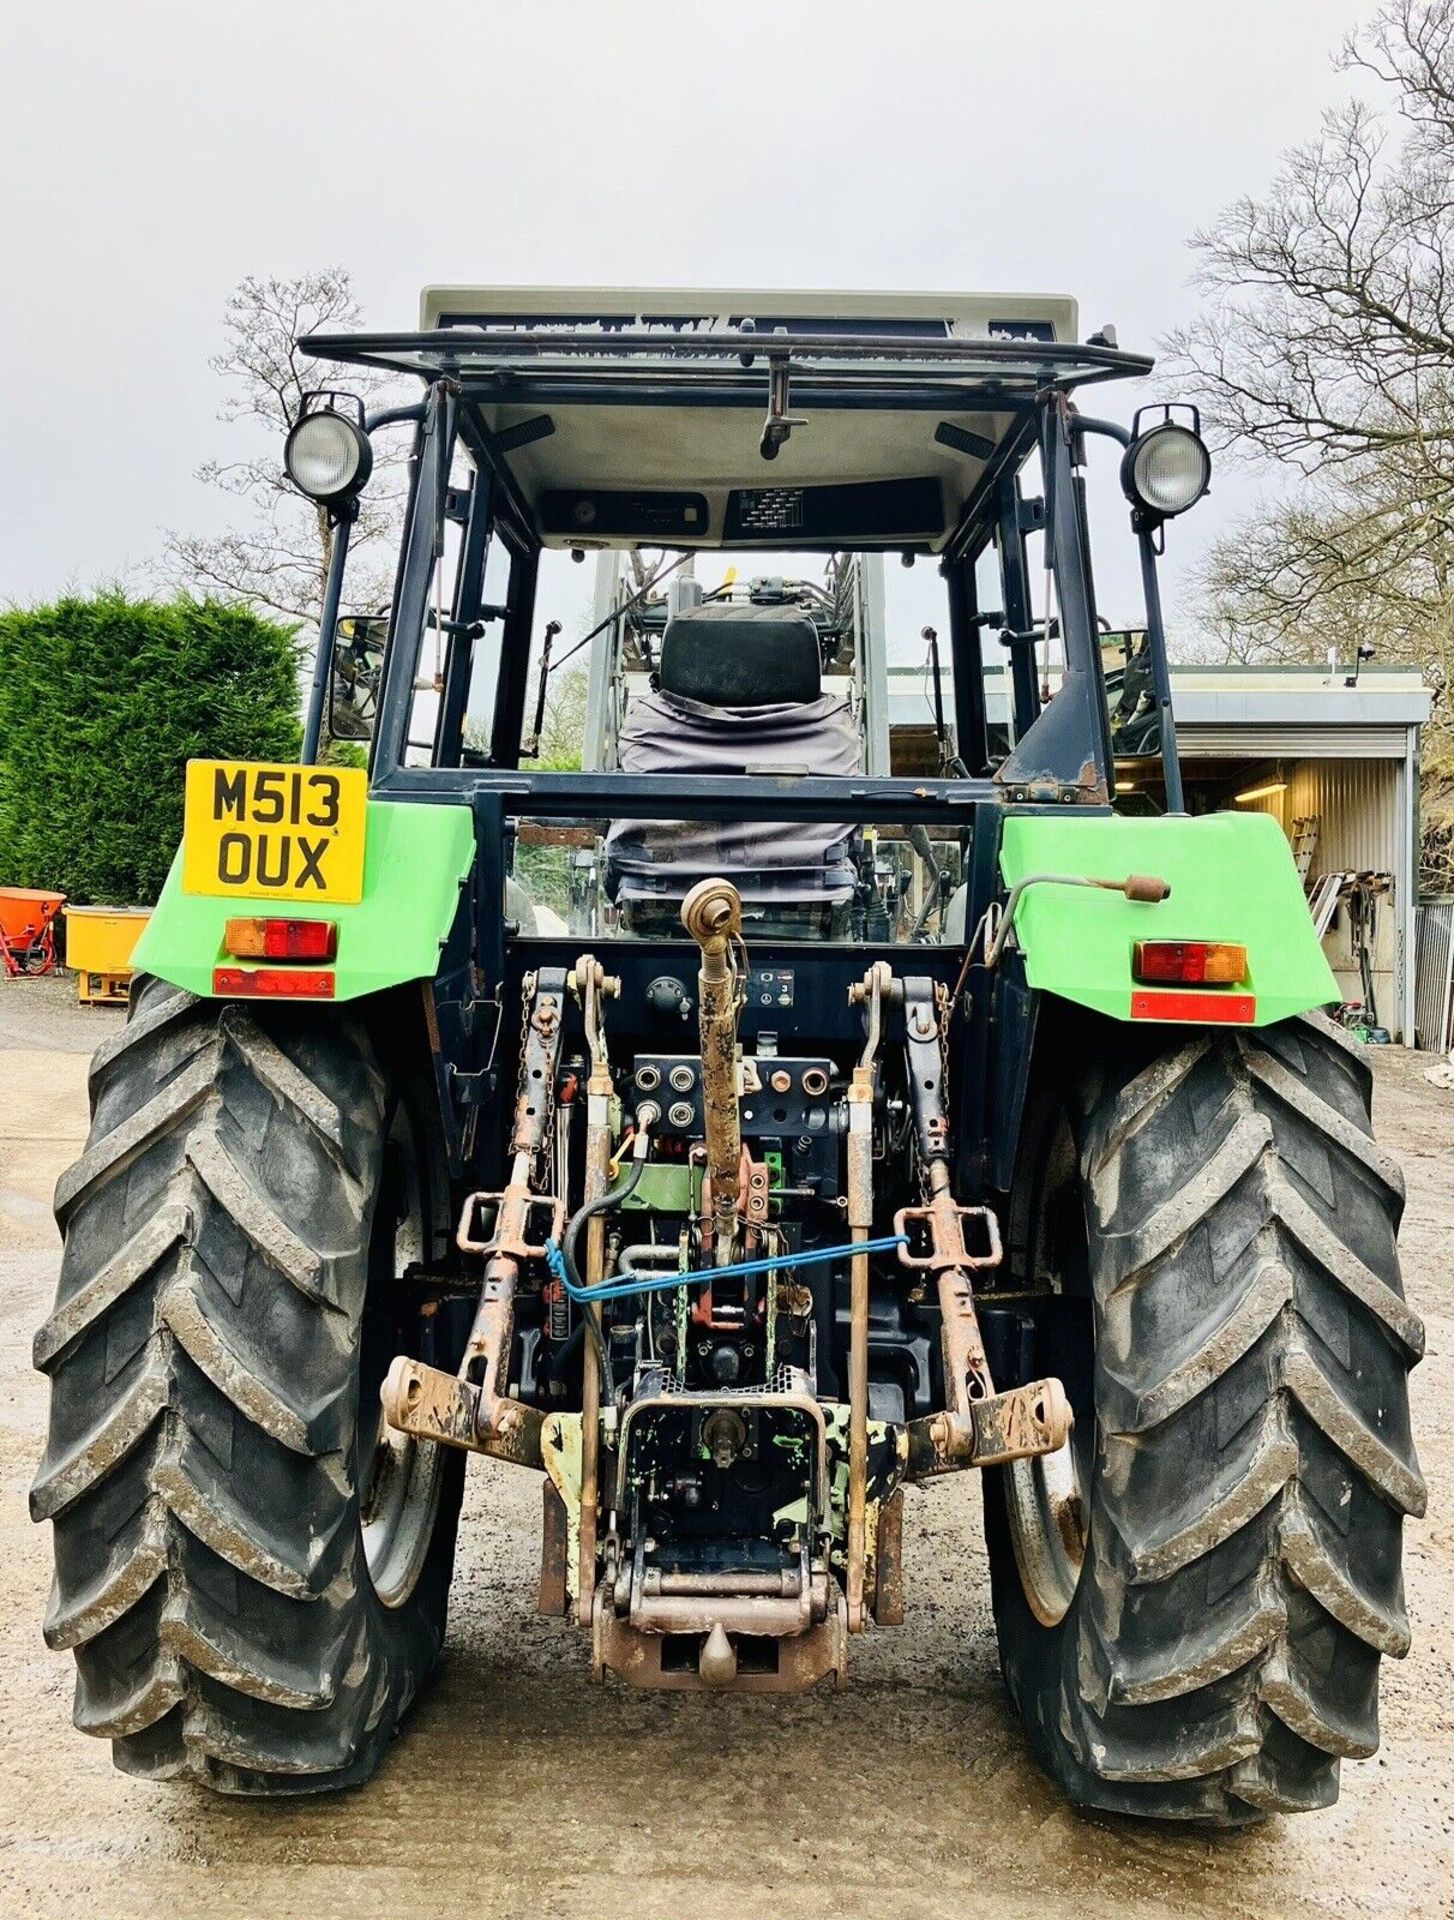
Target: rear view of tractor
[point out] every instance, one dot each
(787, 1106)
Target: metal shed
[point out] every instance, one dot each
(1345, 757)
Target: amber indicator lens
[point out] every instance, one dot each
(281, 939)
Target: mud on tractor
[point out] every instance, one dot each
(774, 1112)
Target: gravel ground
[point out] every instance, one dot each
(521, 1788)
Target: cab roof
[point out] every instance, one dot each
(1052, 316)
(632, 416)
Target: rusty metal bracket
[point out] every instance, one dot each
(473, 1410)
(592, 985)
(437, 1406)
(515, 1208)
(977, 1427)
(966, 1368)
(888, 1562)
(872, 992)
(712, 915)
(795, 1663)
(945, 1221)
(1015, 1425)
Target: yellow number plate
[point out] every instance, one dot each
(290, 834)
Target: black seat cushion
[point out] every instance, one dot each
(736, 656)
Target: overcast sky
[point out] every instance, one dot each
(152, 152)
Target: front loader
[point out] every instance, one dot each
(777, 1110)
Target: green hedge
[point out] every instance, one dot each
(102, 702)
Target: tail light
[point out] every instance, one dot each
(1189, 963)
(294, 983)
(281, 939)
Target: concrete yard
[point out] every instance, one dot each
(520, 1788)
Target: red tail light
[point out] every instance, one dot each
(1189, 963)
(281, 939)
(293, 983)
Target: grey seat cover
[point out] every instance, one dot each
(771, 861)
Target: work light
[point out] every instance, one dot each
(328, 457)
(1166, 470)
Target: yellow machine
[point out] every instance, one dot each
(99, 943)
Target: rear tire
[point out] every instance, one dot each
(254, 1181)
(1252, 1460)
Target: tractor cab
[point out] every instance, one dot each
(746, 472)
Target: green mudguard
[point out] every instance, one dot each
(1231, 877)
(417, 856)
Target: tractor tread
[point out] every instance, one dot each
(1220, 1657)
(113, 1152)
(202, 1353)
(162, 1011)
(260, 1222)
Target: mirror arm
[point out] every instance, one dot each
(392, 416)
(470, 629)
(531, 747)
(1160, 673)
(1084, 423)
(320, 692)
(1155, 628)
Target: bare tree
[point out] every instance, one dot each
(1325, 357)
(277, 556)
(562, 735)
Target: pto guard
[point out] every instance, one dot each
(417, 855)
(1231, 875)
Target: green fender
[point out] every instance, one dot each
(1231, 876)
(417, 855)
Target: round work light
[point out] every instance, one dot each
(1166, 470)
(328, 457)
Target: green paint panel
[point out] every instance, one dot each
(664, 1187)
(1232, 878)
(416, 857)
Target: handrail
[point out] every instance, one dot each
(448, 345)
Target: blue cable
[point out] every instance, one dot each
(669, 1282)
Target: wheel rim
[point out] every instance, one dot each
(1047, 1498)
(1045, 1501)
(399, 1477)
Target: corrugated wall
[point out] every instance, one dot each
(1435, 945)
(1357, 801)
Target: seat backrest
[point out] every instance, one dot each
(741, 656)
(740, 689)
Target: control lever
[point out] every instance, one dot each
(1145, 887)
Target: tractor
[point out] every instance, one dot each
(765, 1106)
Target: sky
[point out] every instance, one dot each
(153, 152)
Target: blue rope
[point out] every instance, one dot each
(669, 1282)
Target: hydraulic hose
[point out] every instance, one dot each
(562, 1262)
(570, 1244)
(630, 1280)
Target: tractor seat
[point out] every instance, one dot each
(740, 690)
